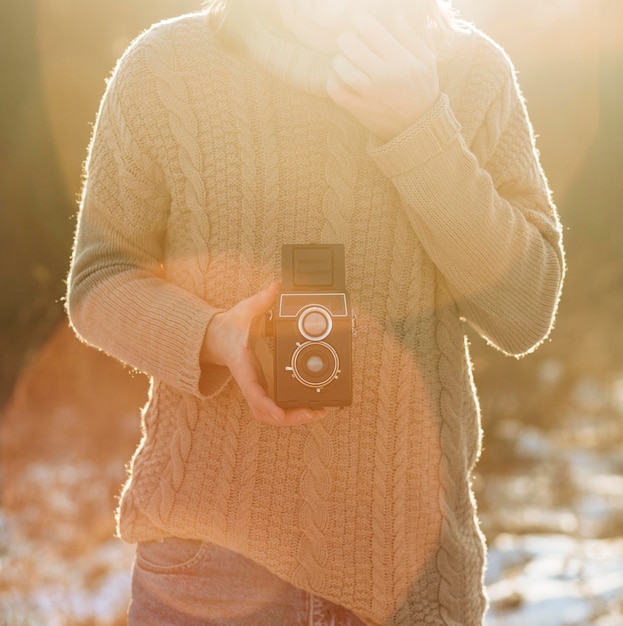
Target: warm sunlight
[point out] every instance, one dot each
(548, 483)
(79, 43)
(556, 47)
(550, 42)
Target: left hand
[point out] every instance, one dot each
(233, 339)
(385, 79)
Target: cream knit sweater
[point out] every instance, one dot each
(203, 162)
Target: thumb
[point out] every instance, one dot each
(263, 300)
(257, 306)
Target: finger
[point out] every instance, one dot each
(340, 93)
(302, 416)
(251, 311)
(353, 48)
(247, 372)
(409, 36)
(265, 410)
(290, 417)
(378, 38)
(350, 74)
(262, 301)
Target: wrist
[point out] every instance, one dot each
(211, 352)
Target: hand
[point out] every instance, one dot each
(386, 80)
(233, 339)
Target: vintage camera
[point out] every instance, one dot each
(312, 326)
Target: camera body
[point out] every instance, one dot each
(312, 324)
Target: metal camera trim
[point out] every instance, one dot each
(326, 314)
(294, 367)
(312, 326)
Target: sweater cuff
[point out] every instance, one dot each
(203, 382)
(179, 354)
(213, 380)
(418, 143)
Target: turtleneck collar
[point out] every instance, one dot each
(297, 65)
(284, 58)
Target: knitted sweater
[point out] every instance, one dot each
(202, 163)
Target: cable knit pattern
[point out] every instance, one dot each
(405, 535)
(241, 92)
(387, 407)
(341, 176)
(184, 128)
(316, 487)
(203, 162)
(183, 124)
(270, 209)
(449, 555)
(186, 421)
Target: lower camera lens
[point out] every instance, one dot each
(315, 364)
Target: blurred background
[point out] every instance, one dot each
(550, 481)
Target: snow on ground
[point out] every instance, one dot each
(48, 589)
(52, 573)
(555, 527)
(555, 580)
(59, 564)
(553, 516)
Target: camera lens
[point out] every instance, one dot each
(315, 364)
(315, 323)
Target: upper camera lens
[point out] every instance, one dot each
(315, 323)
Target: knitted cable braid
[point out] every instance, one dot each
(205, 159)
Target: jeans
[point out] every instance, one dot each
(181, 582)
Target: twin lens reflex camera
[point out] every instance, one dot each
(312, 324)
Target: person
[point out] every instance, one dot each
(396, 129)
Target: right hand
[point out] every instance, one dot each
(387, 79)
(233, 339)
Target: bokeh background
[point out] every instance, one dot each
(549, 483)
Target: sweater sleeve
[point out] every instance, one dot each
(118, 298)
(484, 214)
